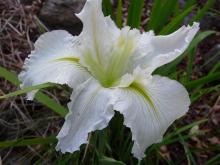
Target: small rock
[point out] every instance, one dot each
(60, 14)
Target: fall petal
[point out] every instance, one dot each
(90, 109)
(149, 107)
(46, 64)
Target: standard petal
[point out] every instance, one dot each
(161, 50)
(149, 107)
(53, 60)
(98, 32)
(90, 109)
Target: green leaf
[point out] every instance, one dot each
(213, 161)
(198, 93)
(191, 51)
(154, 16)
(204, 80)
(182, 129)
(203, 11)
(25, 142)
(41, 97)
(161, 12)
(168, 8)
(215, 67)
(26, 90)
(107, 7)
(173, 136)
(109, 161)
(190, 158)
(189, 3)
(199, 37)
(50, 103)
(134, 13)
(176, 21)
(191, 59)
(119, 14)
(9, 76)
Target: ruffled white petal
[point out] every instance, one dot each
(90, 109)
(150, 111)
(98, 32)
(161, 50)
(42, 65)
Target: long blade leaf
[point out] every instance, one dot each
(26, 90)
(41, 97)
(175, 23)
(134, 13)
(203, 11)
(119, 14)
(25, 142)
(204, 80)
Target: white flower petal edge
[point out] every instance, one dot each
(45, 63)
(149, 106)
(90, 109)
(161, 50)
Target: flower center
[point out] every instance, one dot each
(110, 64)
(115, 63)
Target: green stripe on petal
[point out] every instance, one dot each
(141, 90)
(70, 59)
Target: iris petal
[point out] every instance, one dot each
(44, 64)
(159, 50)
(149, 117)
(90, 110)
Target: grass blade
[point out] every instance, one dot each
(170, 138)
(204, 80)
(161, 12)
(26, 90)
(191, 51)
(201, 92)
(119, 14)
(154, 16)
(9, 76)
(189, 3)
(107, 7)
(25, 142)
(41, 97)
(203, 11)
(199, 37)
(213, 161)
(50, 103)
(185, 128)
(134, 13)
(109, 161)
(216, 66)
(176, 21)
(191, 59)
(190, 158)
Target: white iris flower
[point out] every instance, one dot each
(110, 69)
